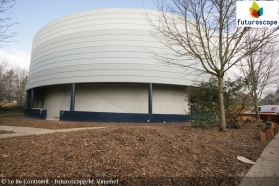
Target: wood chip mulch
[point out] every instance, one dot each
(138, 155)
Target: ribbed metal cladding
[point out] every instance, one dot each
(102, 46)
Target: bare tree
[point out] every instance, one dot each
(5, 21)
(3, 70)
(21, 79)
(271, 97)
(260, 70)
(9, 79)
(276, 99)
(13, 82)
(204, 32)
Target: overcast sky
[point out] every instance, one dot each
(34, 14)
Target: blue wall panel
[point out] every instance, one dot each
(35, 113)
(121, 117)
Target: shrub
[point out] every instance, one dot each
(202, 118)
(205, 104)
(15, 108)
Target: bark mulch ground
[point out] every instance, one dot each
(137, 154)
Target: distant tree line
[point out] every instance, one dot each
(272, 98)
(13, 82)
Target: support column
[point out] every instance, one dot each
(73, 95)
(150, 98)
(32, 98)
(27, 100)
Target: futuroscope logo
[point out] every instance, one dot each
(257, 14)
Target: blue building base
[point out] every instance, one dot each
(121, 117)
(35, 113)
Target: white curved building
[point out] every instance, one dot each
(98, 66)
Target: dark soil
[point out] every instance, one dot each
(137, 154)
(47, 124)
(6, 132)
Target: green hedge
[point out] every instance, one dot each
(16, 108)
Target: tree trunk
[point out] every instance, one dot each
(221, 104)
(257, 107)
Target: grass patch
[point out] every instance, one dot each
(6, 114)
(16, 110)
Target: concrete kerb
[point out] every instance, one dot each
(266, 169)
(25, 131)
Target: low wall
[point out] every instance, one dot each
(121, 117)
(35, 113)
(264, 117)
(273, 117)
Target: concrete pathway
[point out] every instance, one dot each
(24, 131)
(266, 170)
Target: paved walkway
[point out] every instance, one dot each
(24, 131)
(266, 170)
